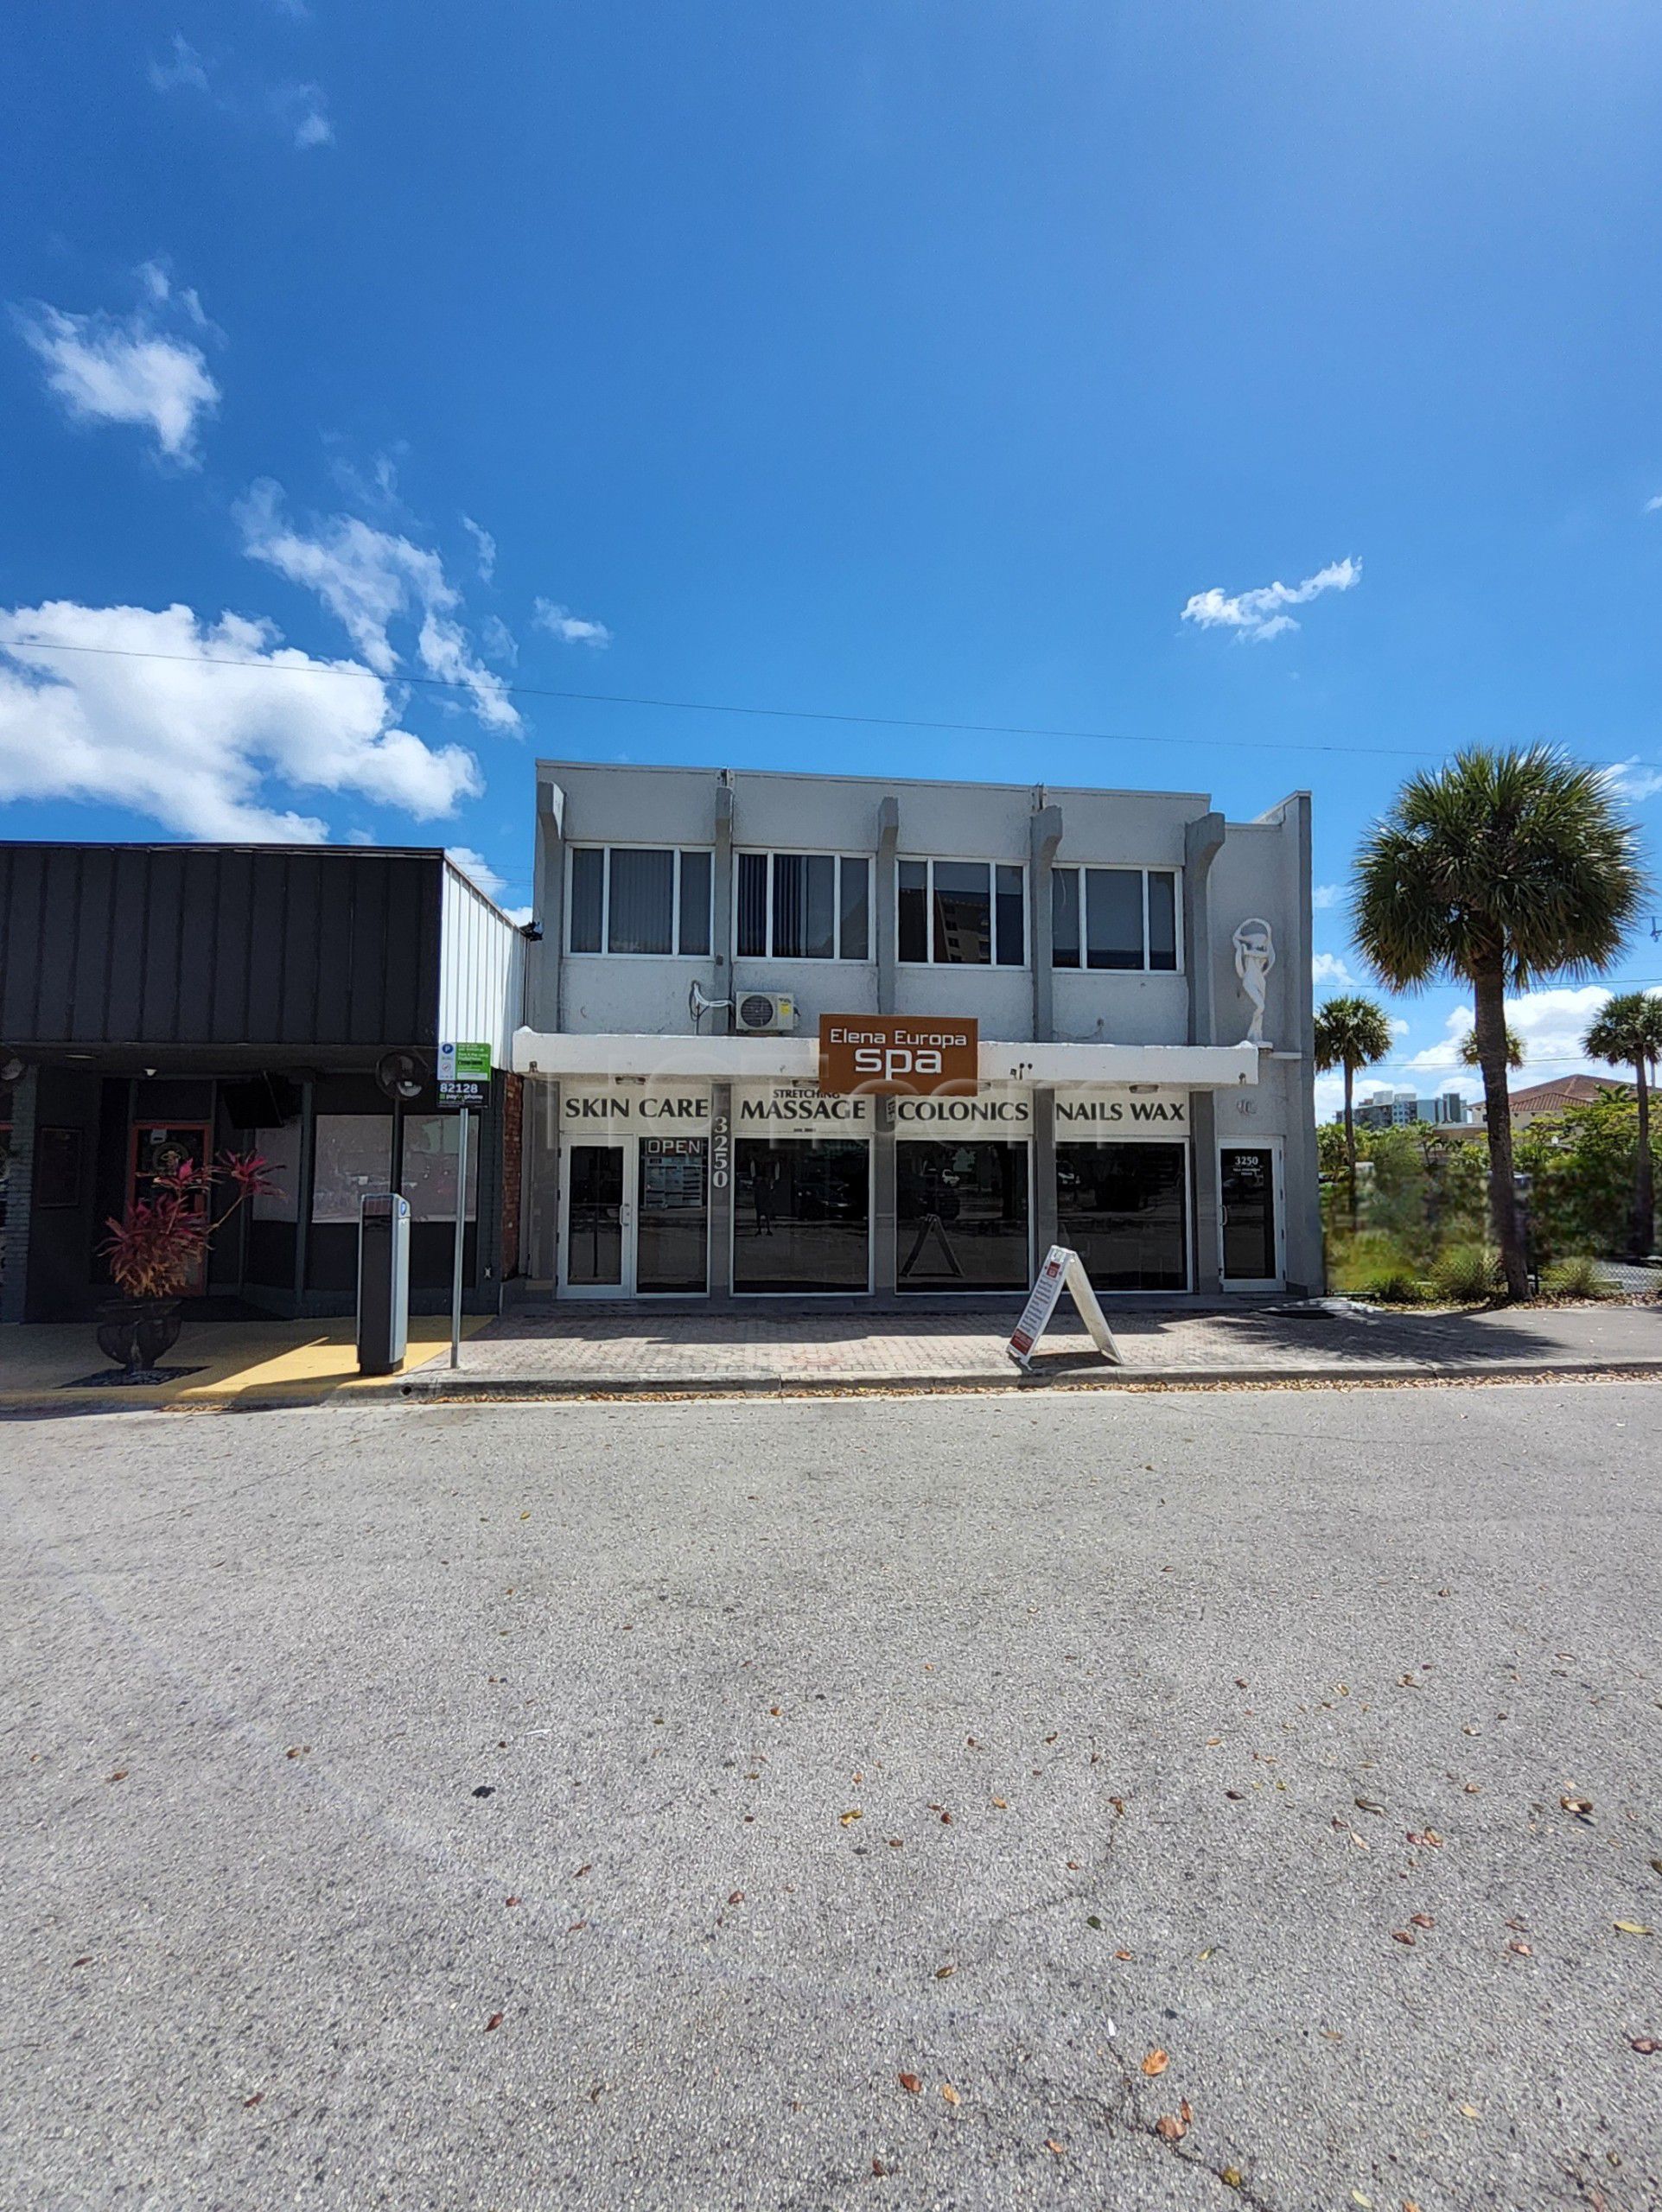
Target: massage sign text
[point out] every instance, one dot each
(898, 1056)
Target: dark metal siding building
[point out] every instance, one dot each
(168, 1000)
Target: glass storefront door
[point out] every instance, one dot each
(802, 1214)
(637, 1218)
(1247, 1190)
(961, 1216)
(1124, 1208)
(594, 1219)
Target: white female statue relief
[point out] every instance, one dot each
(1255, 955)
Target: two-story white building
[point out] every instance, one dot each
(1138, 970)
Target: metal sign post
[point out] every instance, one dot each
(463, 1118)
(464, 1080)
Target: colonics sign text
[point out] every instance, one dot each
(898, 1055)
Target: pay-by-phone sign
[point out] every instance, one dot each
(464, 1075)
(898, 1056)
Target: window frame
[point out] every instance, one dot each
(839, 958)
(604, 952)
(1080, 870)
(993, 966)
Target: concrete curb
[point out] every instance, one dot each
(508, 1388)
(511, 1389)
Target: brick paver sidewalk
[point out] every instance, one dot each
(546, 1350)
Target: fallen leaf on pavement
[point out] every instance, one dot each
(1647, 2046)
(1231, 2176)
(1522, 1949)
(1002, 1805)
(1422, 1919)
(878, 2167)
(1156, 2063)
(120, 1774)
(1173, 2126)
(1402, 1935)
(510, 1900)
(736, 1896)
(943, 1972)
(1232, 1793)
(1092, 1920)
(1577, 1804)
(1471, 2112)
(910, 2083)
(494, 2021)
(1634, 1927)
(949, 2094)
(843, 1819)
(1051, 2143)
(258, 2098)
(1368, 1805)
(1122, 1955)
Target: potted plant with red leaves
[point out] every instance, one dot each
(157, 1246)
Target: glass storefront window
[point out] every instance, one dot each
(354, 1155)
(962, 1216)
(672, 1216)
(280, 1150)
(429, 1179)
(802, 1214)
(1124, 1208)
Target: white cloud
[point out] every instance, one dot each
(498, 640)
(570, 629)
(1549, 1023)
(127, 368)
(369, 579)
(196, 746)
(1398, 1027)
(484, 546)
(1329, 967)
(1326, 896)
(1633, 780)
(1257, 616)
(1652, 506)
(478, 869)
(184, 71)
(302, 109)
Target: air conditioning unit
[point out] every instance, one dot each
(762, 1014)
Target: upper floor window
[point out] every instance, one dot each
(804, 907)
(637, 899)
(1114, 917)
(963, 913)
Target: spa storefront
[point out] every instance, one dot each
(694, 1188)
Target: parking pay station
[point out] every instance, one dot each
(383, 1282)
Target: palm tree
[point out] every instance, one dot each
(1351, 1033)
(1514, 1050)
(1498, 870)
(1628, 1034)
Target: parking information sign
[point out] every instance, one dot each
(464, 1075)
(1063, 1270)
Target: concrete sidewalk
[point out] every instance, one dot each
(549, 1353)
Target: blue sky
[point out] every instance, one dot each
(920, 360)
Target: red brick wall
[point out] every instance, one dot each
(513, 1122)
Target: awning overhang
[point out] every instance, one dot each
(593, 1058)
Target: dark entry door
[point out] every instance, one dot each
(594, 1229)
(1247, 1187)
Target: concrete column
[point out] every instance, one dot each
(20, 1198)
(883, 889)
(1044, 834)
(1203, 1131)
(721, 1195)
(303, 1180)
(885, 1242)
(1306, 1248)
(548, 894)
(721, 940)
(1044, 1173)
(1202, 840)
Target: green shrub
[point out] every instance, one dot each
(1378, 1265)
(1466, 1272)
(1574, 1277)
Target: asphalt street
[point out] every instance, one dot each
(1151, 1801)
